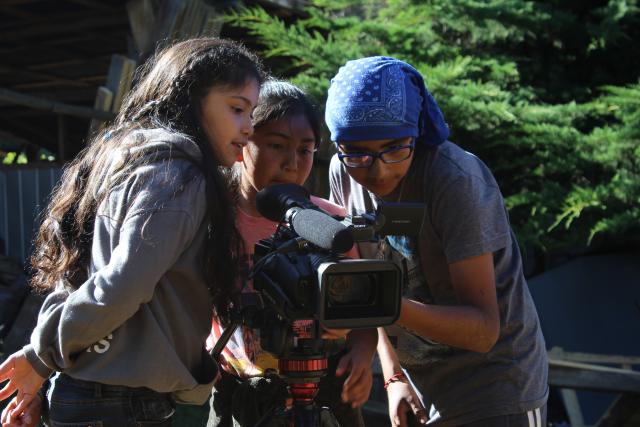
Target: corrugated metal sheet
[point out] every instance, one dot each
(24, 192)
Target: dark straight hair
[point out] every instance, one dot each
(169, 92)
(279, 99)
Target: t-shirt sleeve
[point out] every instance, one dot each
(470, 218)
(336, 187)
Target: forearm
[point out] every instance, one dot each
(364, 339)
(388, 357)
(463, 326)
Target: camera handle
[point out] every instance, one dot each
(249, 316)
(224, 338)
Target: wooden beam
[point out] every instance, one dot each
(572, 406)
(92, 4)
(67, 26)
(53, 106)
(17, 13)
(620, 411)
(142, 21)
(103, 102)
(82, 96)
(19, 2)
(59, 64)
(90, 81)
(44, 139)
(25, 51)
(40, 75)
(58, 16)
(592, 377)
(119, 79)
(560, 354)
(62, 138)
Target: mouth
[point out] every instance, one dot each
(377, 183)
(280, 181)
(239, 144)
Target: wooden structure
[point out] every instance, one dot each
(589, 310)
(66, 62)
(604, 373)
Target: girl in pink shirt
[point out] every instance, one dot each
(281, 150)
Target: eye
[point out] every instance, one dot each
(275, 146)
(306, 151)
(237, 110)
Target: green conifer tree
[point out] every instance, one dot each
(545, 92)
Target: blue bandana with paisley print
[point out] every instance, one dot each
(382, 98)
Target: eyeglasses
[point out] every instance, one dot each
(365, 159)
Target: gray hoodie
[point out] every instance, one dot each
(142, 316)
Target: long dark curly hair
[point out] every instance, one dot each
(168, 95)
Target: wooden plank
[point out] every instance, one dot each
(62, 138)
(592, 377)
(621, 412)
(100, 6)
(93, 23)
(53, 106)
(142, 21)
(168, 18)
(119, 79)
(572, 406)
(17, 12)
(103, 102)
(559, 353)
(59, 16)
(41, 75)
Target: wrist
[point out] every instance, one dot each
(398, 376)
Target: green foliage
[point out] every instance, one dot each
(13, 158)
(545, 92)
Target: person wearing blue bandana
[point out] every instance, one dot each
(468, 335)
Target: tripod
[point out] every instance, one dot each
(302, 377)
(301, 370)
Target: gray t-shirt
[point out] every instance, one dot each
(465, 217)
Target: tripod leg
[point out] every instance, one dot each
(327, 419)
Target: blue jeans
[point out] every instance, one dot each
(77, 403)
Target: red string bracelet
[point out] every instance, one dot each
(398, 376)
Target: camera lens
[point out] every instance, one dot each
(351, 289)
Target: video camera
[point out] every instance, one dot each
(304, 278)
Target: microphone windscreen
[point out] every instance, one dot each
(322, 230)
(274, 201)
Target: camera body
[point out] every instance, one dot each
(307, 284)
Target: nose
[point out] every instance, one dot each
(290, 161)
(247, 128)
(377, 169)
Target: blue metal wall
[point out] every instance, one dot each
(24, 191)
